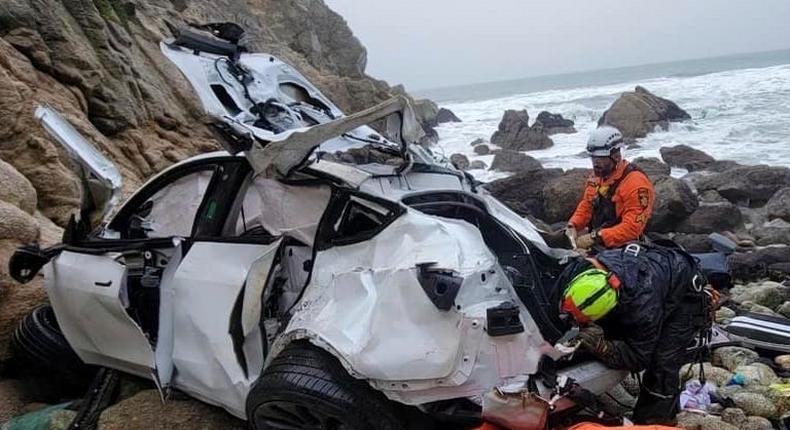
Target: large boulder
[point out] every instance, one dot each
(638, 112)
(553, 123)
(653, 167)
(779, 205)
(758, 263)
(730, 357)
(16, 189)
(146, 411)
(674, 202)
(514, 133)
(775, 232)
(482, 150)
(523, 192)
(460, 161)
(746, 185)
(693, 242)
(446, 115)
(513, 161)
(712, 218)
(426, 111)
(562, 195)
(767, 293)
(686, 157)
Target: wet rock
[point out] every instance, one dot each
(757, 264)
(512, 161)
(754, 308)
(145, 411)
(747, 185)
(460, 161)
(772, 233)
(714, 374)
(756, 423)
(784, 309)
(768, 294)
(563, 194)
(446, 115)
(482, 150)
(712, 218)
(693, 242)
(478, 141)
(686, 157)
(712, 197)
(652, 166)
(514, 133)
(477, 164)
(639, 112)
(724, 315)
(783, 361)
(552, 123)
(730, 357)
(755, 404)
(757, 374)
(16, 189)
(523, 192)
(430, 138)
(779, 205)
(674, 202)
(734, 416)
(690, 420)
(426, 111)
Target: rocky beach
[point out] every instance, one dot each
(99, 64)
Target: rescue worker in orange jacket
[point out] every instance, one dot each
(618, 198)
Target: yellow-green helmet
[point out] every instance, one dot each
(589, 296)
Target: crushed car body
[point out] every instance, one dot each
(312, 226)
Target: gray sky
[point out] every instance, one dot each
(432, 43)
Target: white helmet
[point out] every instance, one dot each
(603, 140)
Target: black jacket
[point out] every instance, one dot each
(654, 284)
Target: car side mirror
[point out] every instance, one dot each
(28, 260)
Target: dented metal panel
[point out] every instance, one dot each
(365, 304)
(206, 287)
(88, 293)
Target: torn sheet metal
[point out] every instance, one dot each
(365, 303)
(206, 364)
(163, 353)
(88, 289)
(101, 179)
(288, 151)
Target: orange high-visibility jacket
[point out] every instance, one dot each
(633, 201)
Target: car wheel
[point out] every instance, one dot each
(306, 388)
(39, 346)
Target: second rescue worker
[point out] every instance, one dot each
(618, 198)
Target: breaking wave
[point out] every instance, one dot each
(742, 115)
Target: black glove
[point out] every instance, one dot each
(592, 339)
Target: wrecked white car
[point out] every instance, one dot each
(317, 274)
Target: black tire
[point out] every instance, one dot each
(306, 388)
(39, 347)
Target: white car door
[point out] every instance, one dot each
(105, 288)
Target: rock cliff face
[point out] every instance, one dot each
(99, 63)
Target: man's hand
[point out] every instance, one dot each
(585, 241)
(592, 339)
(571, 234)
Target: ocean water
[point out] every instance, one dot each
(740, 109)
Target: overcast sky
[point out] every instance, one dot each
(432, 43)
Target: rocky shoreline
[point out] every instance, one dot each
(748, 204)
